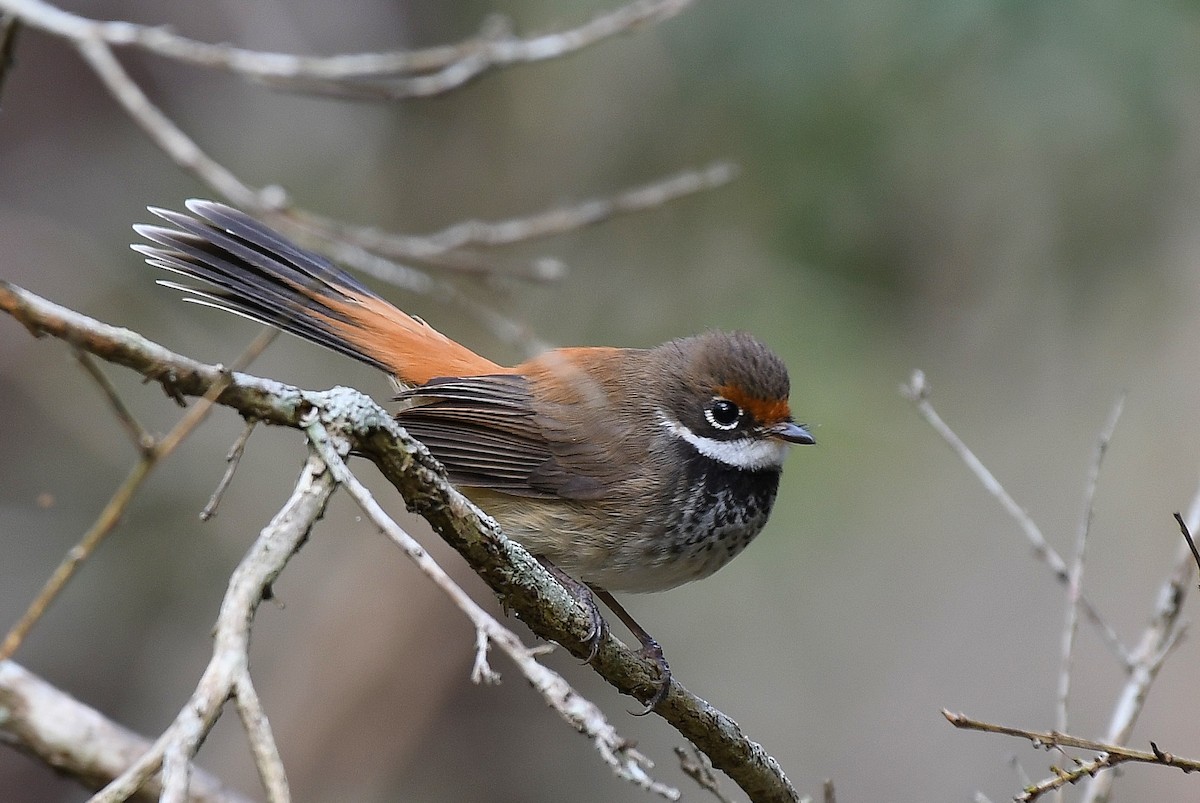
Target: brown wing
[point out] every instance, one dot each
(488, 433)
(485, 431)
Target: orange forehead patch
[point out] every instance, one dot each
(765, 411)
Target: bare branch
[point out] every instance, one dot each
(227, 672)
(152, 453)
(79, 741)
(262, 741)
(520, 581)
(1075, 584)
(917, 391)
(1187, 536)
(579, 712)
(1142, 663)
(1159, 638)
(695, 766)
(1111, 754)
(432, 70)
(556, 220)
(377, 76)
(233, 458)
(142, 440)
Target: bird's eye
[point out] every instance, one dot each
(723, 414)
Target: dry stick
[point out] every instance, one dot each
(1187, 536)
(142, 440)
(109, 517)
(187, 154)
(227, 673)
(548, 222)
(696, 766)
(94, 40)
(89, 38)
(258, 733)
(580, 713)
(1075, 585)
(496, 47)
(917, 391)
(441, 68)
(519, 581)
(1115, 753)
(1158, 640)
(1145, 661)
(78, 741)
(233, 458)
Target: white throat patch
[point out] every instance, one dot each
(749, 454)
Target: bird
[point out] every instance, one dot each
(620, 469)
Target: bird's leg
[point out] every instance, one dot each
(650, 650)
(582, 594)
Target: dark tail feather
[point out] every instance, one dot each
(252, 271)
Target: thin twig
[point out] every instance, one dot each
(225, 673)
(553, 221)
(1075, 585)
(519, 580)
(78, 741)
(1112, 754)
(261, 740)
(1187, 536)
(142, 440)
(578, 712)
(111, 515)
(917, 391)
(696, 766)
(1157, 642)
(481, 672)
(413, 73)
(232, 459)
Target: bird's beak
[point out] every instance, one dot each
(791, 432)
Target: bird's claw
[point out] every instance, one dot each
(653, 653)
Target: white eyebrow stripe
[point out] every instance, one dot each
(749, 454)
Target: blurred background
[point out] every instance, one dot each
(1003, 195)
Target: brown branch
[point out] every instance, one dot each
(518, 580)
(1111, 754)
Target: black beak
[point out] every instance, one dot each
(791, 432)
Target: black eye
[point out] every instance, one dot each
(723, 414)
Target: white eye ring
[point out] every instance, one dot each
(725, 407)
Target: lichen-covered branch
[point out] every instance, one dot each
(521, 583)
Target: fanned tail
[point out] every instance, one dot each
(253, 271)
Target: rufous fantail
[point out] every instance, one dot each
(626, 469)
